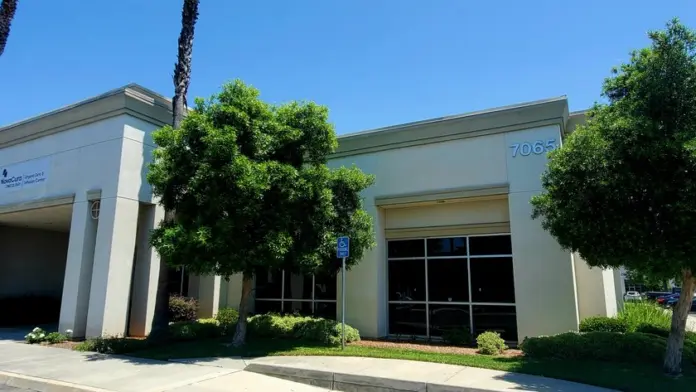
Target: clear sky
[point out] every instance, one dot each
(373, 62)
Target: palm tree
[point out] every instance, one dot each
(7, 12)
(182, 78)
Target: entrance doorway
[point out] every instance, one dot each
(34, 246)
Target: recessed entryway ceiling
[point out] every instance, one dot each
(55, 218)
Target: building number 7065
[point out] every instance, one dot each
(537, 147)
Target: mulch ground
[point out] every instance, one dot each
(429, 347)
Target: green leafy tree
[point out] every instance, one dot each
(649, 282)
(622, 189)
(252, 191)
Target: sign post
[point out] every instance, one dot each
(342, 252)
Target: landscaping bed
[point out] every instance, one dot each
(623, 353)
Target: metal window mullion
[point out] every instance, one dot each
(314, 285)
(282, 291)
(427, 294)
(471, 298)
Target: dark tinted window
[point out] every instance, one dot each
(447, 246)
(268, 284)
(447, 317)
(325, 287)
(407, 280)
(447, 280)
(303, 308)
(298, 286)
(407, 319)
(501, 319)
(490, 245)
(406, 248)
(325, 310)
(492, 280)
(263, 307)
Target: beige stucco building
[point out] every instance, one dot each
(456, 245)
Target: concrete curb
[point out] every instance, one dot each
(42, 384)
(352, 382)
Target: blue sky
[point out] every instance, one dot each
(373, 62)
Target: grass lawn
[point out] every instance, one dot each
(621, 376)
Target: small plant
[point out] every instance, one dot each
(182, 309)
(604, 324)
(55, 338)
(457, 336)
(227, 319)
(37, 335)
(490, 343)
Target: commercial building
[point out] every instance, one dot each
(456, 245)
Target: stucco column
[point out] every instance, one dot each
(78, 270)
(145, 273)
(619, 288)
(208, 296)
(596, 290)
(545, 291)
(113, 267)
(366, 285)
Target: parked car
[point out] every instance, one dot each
(654, 295)
(673, 301)
(632, 296)
(665, 298)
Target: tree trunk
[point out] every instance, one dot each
(240, 332)
(675, 341)
(182, 78)
(182, 68)
(7, 12)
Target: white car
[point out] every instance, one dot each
(632, 296)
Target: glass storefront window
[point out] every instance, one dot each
(437, 284)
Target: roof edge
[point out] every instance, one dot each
(130, 99)
(479, 123)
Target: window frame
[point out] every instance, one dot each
(467, 258)
(283, 300)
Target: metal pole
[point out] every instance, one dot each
(343, 305)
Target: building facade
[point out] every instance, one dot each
(456, 245)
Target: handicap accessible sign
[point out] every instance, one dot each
(24, 175)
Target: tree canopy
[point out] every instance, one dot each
(622, 189)
(251, 188)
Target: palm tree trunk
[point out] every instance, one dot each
(182, 78)
(675, 341)
(7, 12)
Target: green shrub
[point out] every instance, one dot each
(490, 343)
(457, 336)
(227, 319)
(689, 336)
(299, 327)
(209, 321)
(56, 337)
(37, 335)
(638, 313)
(182, 309)
(108, 345)
(192, 330)
(324, 331)
(603, 324)
(602, 346)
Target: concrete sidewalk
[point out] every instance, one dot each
(374, 374)
(48, 369)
